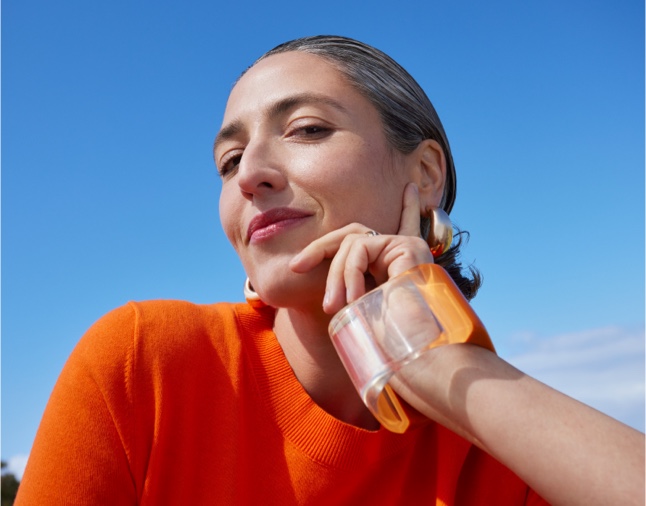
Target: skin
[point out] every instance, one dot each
(307, 140)
(330, 161)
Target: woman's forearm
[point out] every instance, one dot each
(566, 451)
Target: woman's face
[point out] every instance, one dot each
(301, 154)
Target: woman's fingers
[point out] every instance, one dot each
(410, 219)
(357, 255)
(354, 253)
(380, 258)
(323, 247)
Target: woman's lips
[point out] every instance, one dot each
(267, 224)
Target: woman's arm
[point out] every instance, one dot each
(566, 451)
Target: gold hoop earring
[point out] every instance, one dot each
(253, 299)
(440, 232)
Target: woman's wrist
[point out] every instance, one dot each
(437, 383)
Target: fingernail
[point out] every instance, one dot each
(326, 299)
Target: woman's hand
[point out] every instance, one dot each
(355, 254)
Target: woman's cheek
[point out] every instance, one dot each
(229, 217)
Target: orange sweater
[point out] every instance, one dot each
(174, 403)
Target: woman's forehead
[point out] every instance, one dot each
(290, 62)
(289, 73)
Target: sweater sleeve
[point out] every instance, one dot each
(82, 454)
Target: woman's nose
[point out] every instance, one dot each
(260, 170)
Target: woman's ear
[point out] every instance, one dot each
(429, 172)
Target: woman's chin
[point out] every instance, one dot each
(298, 292)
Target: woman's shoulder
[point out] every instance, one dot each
(136, 317)
(154, 329)
(165, 315)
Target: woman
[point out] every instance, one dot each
(331, 158)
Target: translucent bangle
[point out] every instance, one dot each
(392, 325)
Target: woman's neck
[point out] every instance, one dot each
(311, 354)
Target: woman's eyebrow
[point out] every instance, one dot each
(276, 109)
(227, 132)
(288, 103)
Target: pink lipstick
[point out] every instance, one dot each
(266, 225)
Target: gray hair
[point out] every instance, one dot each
(407, 113)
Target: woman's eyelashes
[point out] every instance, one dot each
(229, 163)
(307, 130)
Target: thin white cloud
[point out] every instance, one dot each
(16, 465)
(601, 367)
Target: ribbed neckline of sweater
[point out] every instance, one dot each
(306, 425)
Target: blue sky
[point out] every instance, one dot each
(110, 194)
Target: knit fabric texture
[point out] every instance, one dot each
(173, 403)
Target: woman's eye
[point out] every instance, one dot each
(229, 164)
(314, 129)
(310, 131)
